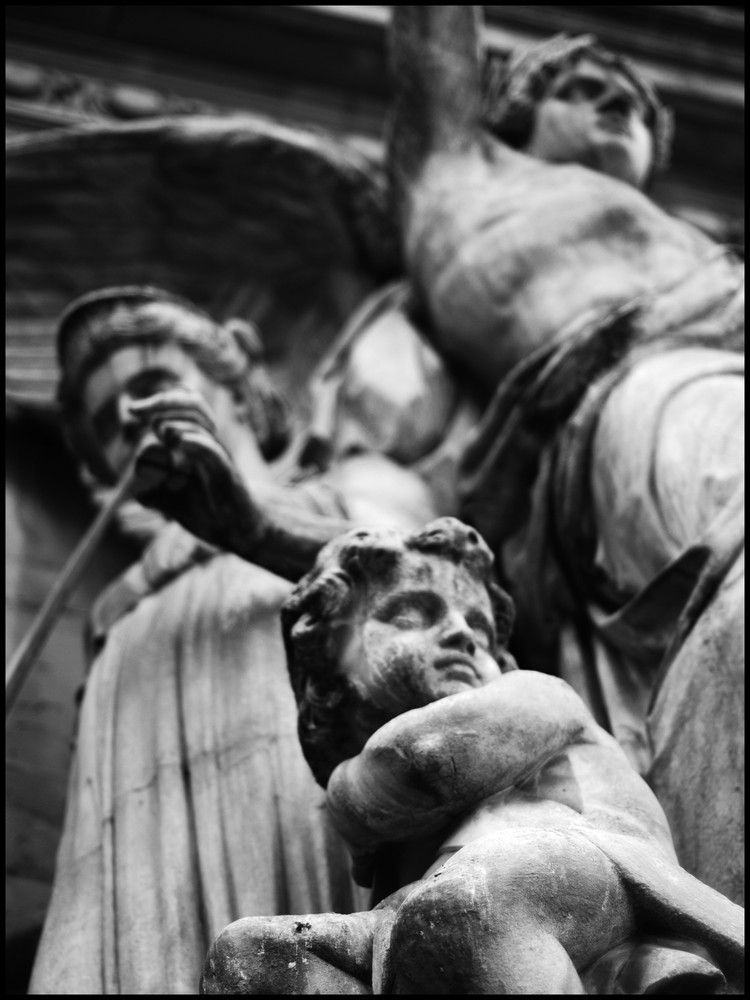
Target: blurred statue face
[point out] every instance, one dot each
(594, 116)
(428, 635)
(136, 373)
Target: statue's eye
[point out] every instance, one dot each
(152, 381)
(410, 611)
(409, 618)
(579, 90)
(482, 629)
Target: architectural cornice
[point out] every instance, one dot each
(325, 67)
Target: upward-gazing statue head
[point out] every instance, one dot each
(121, 344)
(570, 100)
(387, 622)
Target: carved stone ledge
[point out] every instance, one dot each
(41, 97)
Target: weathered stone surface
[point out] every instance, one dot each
(567, 291)
(190, 802)
(524, 851)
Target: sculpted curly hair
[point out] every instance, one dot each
(323, 600)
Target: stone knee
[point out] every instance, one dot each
(298, 955)
(502, 909)
(435, 936)
(455, 936)
(556, 879)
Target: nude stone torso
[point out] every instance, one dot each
(520, 752)
(554, 799)
(574, 788)
(510, 251)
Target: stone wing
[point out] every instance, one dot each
(286, 228)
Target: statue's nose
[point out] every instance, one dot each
(616, 100)
(458, 635)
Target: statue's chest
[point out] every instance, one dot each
(521, 224)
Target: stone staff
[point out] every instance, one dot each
(20, 665)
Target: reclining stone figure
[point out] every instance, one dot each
(511, 846)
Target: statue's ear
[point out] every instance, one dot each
(247, 338)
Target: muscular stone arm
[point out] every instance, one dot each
(437, 101)
(431, 764)
(294, 523)
(194, 481)
(281, 528)
(284, 537)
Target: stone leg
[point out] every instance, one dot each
(518, 913)
(311, 954)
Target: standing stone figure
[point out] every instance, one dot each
(524, 853)
(190, 803)
(607, 473)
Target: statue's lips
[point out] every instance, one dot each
(461, 661)
(615, 124)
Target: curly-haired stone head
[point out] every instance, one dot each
(388, 621)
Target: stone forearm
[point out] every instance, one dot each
(436, 72)
(286, 534)
(373, 803)
(429, 765)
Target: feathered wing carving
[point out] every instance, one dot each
(284, 227)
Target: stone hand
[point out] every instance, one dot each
(184, 471)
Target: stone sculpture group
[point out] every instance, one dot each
(572, 390)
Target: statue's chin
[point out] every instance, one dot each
(615, 159)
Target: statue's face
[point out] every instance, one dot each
(593, 115)
(138, 372)
(426, 636)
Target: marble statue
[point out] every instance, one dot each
(608, 341)
(607, 472)
(190, 803)
(511, 846)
